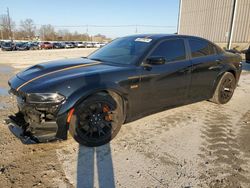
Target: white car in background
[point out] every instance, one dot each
(68, 45)
(99, 44)
(80, 44)
(89, 45)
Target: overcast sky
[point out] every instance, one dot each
(64, 14)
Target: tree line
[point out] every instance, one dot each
(27, 30)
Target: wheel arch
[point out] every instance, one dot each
(113, 93)
(216, 81)
(83, 94)
(233, 72)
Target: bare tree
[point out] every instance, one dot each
(27, 29)
(64, 34)
(47, 32)
(6, 26)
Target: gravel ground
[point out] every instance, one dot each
(198, 145)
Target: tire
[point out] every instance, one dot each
(97, 120)
(225, 89)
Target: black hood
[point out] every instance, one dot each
(55, 73)
(67, 67)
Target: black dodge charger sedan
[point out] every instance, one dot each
(127, 79)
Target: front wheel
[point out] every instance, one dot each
(97, 120)
(225, 89)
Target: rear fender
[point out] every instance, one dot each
(226, 68)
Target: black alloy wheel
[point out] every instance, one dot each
(225, 89)
(96, 120)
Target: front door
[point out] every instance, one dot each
(166, 85)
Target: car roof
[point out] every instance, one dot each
(163, 36)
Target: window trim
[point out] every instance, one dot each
(164, 40)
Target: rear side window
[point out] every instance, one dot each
(171, 50)
(200, 48)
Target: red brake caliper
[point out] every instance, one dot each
(106, 109)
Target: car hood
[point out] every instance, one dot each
(63, 70)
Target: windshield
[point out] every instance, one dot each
(125, 50)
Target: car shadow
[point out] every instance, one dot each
(92, 162)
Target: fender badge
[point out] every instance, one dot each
(134, 86)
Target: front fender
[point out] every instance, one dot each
(86, 91)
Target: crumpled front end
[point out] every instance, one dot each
(37, 119)
(41, 91)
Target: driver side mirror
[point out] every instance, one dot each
(156, 61)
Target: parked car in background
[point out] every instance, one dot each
(80, 44)
(102, 44)
(58, 45)
(68, 45)
(8, 46)
(89, 45)
(22, 46)
(33, 45)
(1, 43)
(46, 45)
(127, 79)
(74, 44)
(99, 44)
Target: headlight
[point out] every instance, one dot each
(44, 98)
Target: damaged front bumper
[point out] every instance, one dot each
(20, 129)
(36, 123)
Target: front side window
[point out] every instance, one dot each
(171, 50)
(126, 50)
(200, 48)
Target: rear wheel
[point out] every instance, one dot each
(225, 89)
(97, 120)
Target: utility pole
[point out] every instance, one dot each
(1, 32)
(9, 24)
(136, 29)
(87, 32)
(232, 24)
(179, 17)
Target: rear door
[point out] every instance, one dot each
(206, 64)
(167, 85)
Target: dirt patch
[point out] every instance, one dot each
(221, 152)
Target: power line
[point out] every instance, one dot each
(109, 26)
